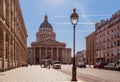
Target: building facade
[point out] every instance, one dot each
(46, 46)
(13, 35)
(90, 49)
(107, 37)
(81, 56)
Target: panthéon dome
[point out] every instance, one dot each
(46, 24)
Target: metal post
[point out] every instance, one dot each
(74, 67)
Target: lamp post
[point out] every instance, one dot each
(74, 20)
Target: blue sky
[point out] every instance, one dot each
(59, 11)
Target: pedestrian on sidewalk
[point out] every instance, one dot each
(49, 64)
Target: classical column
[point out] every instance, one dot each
(51, 53)
(18, 56)
(45, 52)
(4, 51)
(34, 55)
(30, 56)
(13, 53)
(57, 54)
(40, 55)
(9, 52)
(63, 55)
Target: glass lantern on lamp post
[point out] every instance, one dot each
(74, 20)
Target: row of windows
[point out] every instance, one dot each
(46, 29)
(107, 46)
(108, 38)
(110, 24)
(109, 32)
(109, 53)
(46, 35)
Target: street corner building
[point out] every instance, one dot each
(90, 49)
(13, 36)
(104, 43)
(46, 46)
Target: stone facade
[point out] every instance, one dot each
(107, 40)
(81, 56)
(46, 46)
(90, 49)
(13, 35)
(107, 36)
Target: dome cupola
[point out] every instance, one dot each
(46, 24)
(45, 31)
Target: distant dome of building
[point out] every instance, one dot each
(46, 24)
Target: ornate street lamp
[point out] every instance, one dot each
(74, 20)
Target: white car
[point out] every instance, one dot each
(81, 64)
(56, 65)
(117, 67)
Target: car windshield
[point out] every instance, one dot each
(118, 62)
(111, 64)
(57, 62)
(98, 63)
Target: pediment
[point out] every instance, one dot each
(51, 42)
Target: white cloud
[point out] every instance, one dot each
(86, 15)
(60, 16)
(83, 23)
(97, 15)
(67, 31)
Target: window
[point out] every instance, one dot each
(118, 27)
(112, 36)
(112, 30)
(112, 53)
(107, 32)
(118, 43)
(118, 34)
(112, 44)
(118, 52)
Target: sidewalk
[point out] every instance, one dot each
(34, 74)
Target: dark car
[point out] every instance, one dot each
(81, 64)
(99, 65)
(110, 66)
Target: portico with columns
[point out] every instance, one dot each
(48, 49)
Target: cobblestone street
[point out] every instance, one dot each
(34, 74)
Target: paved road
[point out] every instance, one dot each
(34, 74)
(38, 74)
(93, 75)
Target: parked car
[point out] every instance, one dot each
(81, 64)
(99, 64)
(110, 66)
(25, 65)
(117, 67)
(56, 65)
